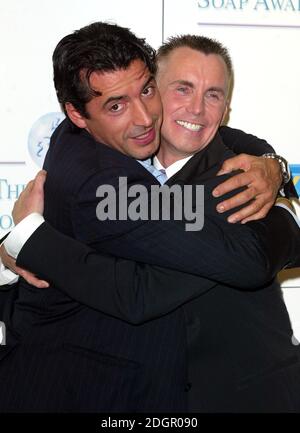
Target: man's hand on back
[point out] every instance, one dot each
(263, 178)
(31, 199)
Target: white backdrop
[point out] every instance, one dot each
(263, 37)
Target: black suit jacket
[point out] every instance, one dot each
(75, 189)
(136, 295)
(75, 151)
(242, 355)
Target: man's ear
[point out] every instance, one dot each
(225, 117)
(75, 116)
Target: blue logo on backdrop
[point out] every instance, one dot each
(39, 136)
(295, 169)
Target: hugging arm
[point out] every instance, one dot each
(125, 289)
(138, 292)
(241, 142)
(262, 176)
(129, 290)
(237, 255)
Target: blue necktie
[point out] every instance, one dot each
(159, 174)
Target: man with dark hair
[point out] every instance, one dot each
(99, 362)
(97, 47)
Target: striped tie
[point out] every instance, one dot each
(161, 176)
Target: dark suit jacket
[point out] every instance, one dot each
(55, 319)
(242, 357)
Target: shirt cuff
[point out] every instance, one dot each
(7, 276)
(289, 210)
(21, 233)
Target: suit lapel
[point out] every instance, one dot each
(108, 157)
(204, 164)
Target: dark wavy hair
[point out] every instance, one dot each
(99, 46)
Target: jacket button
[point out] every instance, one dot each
(188, 386)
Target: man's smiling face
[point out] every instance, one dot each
(194, 89)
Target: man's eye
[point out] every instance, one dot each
(115, 108)
(213, 95)
(182, 90)
(148, 91)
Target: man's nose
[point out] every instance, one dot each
(196, 105)
(142, 115)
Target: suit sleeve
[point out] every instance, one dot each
(137, 292)
(243, 257)
(241, 142)
(233, 254)
(125, 289)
